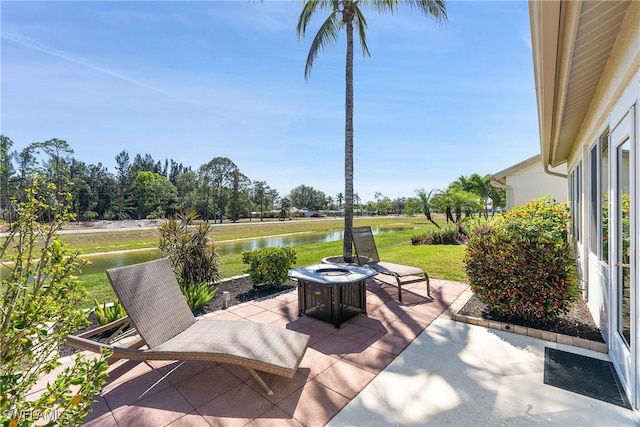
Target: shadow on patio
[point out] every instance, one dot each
(338, 364)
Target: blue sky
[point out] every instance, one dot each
(191, 81)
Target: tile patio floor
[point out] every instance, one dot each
(338, 364)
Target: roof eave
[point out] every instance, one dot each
(553, 33)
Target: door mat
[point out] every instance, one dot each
(583, 375)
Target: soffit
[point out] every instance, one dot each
(584, 34)
(597, 31)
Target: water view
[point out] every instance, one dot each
(99, 263)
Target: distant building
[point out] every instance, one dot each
(527, 180)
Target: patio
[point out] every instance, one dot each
(338, 366)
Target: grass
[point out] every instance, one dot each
(440, 262)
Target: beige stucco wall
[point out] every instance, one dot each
(531, 182)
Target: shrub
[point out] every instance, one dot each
(197, 295)
(269, 266)
(523, 266)
(39, 298)
(447, 235)
(108, 313)
(190, 249)
(471, 224)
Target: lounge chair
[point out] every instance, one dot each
(155, 306)
(367, 254)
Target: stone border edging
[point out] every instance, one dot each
(458, 304)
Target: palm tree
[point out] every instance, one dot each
(348, 14)
(426, 202)
(481, 185)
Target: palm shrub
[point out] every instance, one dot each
(40, 293)
(269, 266)
(522, 265)
(106, 314)
(445, 235)
(197, 295)
(190, 249)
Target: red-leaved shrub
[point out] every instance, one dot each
(522, 266)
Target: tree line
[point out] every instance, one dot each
(217, 190)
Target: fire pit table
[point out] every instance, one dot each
(333, 293)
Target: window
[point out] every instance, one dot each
(599, 198)
(604, 198)
(593, 200)
(575, 194)
(579, 202)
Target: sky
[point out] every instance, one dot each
(191, 81)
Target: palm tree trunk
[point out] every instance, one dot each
(348, 147)
(428, 215)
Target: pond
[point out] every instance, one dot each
(99, 263)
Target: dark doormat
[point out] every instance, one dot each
(583, 375)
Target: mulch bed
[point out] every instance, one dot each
(578, 322)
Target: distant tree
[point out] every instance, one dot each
(356, 201)
(56, 167)
(6, 178)
(260, 196)
(329, 203)
(285, 205)
(186, 185)
(412, 206)
(398, 205)
(304, 196)
(498, 198)
(217, 177)
(155, 195)
(123, 203)
(26, 168)
(145, 163)
(103, 186)
(80, 188)
(481, 186)
(239, 202)
(339, 199)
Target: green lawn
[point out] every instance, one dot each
(441, 262)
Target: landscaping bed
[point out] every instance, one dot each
(578, 322)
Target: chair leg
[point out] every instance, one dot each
(399, 287)
(261, 381)
(428, 285)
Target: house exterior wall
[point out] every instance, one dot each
(616, 99)
(531, 182)
(620, 76)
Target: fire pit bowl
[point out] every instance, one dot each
(332, 271)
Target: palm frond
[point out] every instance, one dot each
(309, 8)
(384, 5)
(435, 8)
(361, 28)
(305, 16)
(326, 35)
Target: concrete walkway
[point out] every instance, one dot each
(457, 374)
